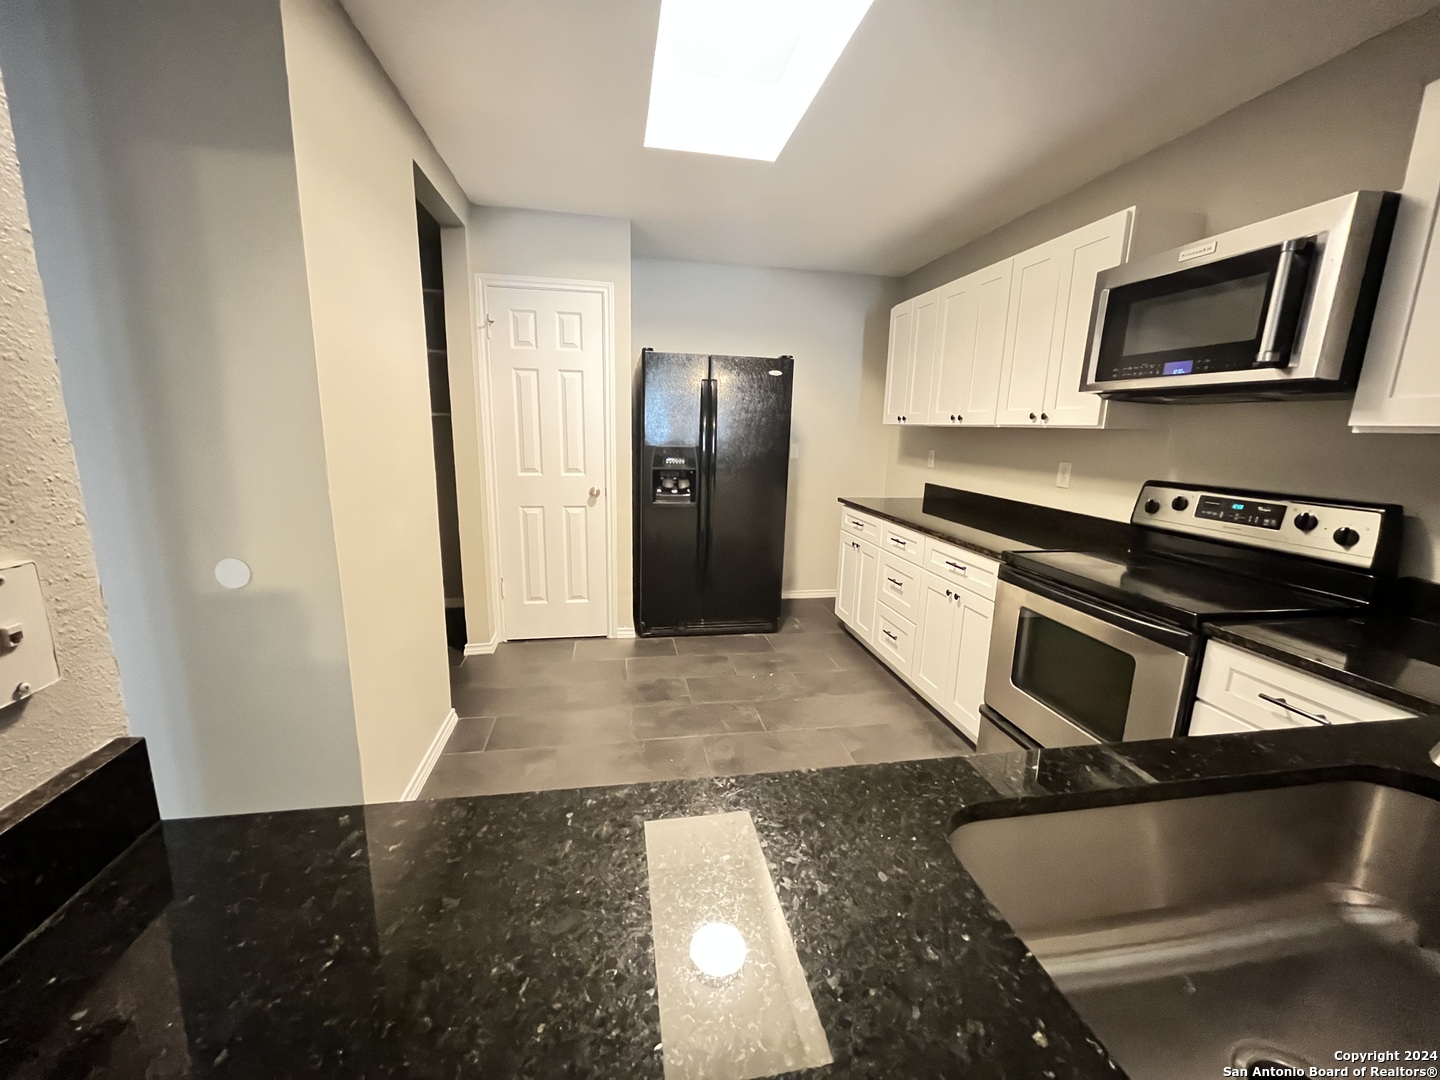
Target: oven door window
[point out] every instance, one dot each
(1205, 319)
(1077, 676)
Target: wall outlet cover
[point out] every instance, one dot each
(1062, 475)
(930, 459)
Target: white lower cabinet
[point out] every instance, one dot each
(1240, 691)
(969, 656)
(952, 648)
(859, 572)
(931, 626)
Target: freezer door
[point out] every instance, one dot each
(746, 491)
(667, 532)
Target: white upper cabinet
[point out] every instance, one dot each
(1086, 252)
(1051, 297)
(1005, 346)
(1037, 283)
(918, 408)
(1399, 387)
(901, 362)
(973, 314)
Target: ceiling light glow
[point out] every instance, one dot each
(718, 949)
(734, 77)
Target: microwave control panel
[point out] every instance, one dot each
(1348, 534)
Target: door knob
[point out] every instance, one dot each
(594, 493)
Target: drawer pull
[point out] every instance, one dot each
(957, 566)
(898, 542)
(897, 584)
(887, 633)
(856, 524)
(1318, 718)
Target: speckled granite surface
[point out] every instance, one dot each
(992, 526)
(510, 935)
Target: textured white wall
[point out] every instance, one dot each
(41, 517)
(1345, 125)
(836, 326)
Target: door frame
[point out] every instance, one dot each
(485, 406)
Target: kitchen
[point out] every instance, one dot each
(418, 890)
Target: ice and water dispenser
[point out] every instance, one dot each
(672, 474)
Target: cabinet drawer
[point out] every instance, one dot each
(904, 542)
(1208, 720)
(960, 567)
(899, 586)
(894, 639)
(854, 523)
(1265, 694)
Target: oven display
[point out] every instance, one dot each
(1241, 511)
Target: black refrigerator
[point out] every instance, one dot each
(712, 461)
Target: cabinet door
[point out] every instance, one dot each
(865, 593)
(1035, 288)
(921, 401)
(1084, 253)
(847, 585)
(971, 350)
(969, 656)
(930, 664)
(901, 361)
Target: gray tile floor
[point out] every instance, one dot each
(579, 713)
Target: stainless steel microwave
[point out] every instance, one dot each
(1276, 308)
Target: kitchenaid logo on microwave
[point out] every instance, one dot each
(1195, 251)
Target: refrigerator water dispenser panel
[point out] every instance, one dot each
(672, 475)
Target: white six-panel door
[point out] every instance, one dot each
(547, 353)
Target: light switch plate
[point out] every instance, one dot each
(1062, 475)
(930, 459)
(29, 665)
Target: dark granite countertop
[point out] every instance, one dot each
(1386, 656)
(510, 935)
(992, 526)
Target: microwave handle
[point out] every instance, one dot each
(1287, 297)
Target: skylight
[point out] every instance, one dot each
(734, 77)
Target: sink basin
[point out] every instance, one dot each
(1274, 926)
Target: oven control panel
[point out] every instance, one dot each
(1344, 533)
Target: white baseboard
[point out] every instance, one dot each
(483, 648)
(808, 594)
(432, 755)
(624, 632)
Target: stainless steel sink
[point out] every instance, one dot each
(1192, 934)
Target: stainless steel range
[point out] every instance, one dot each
(1104, 646)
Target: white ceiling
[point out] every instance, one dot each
(942, 120)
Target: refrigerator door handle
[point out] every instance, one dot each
(709, 406)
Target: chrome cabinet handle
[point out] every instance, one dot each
(1318, 718)
(957, 566)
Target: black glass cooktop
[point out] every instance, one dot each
(1180, 592)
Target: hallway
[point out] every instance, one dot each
(579, 713)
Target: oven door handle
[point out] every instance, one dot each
(1171, 637)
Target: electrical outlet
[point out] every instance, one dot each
(1062, 475)
(930, 459)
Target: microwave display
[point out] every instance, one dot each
(1241, 512)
